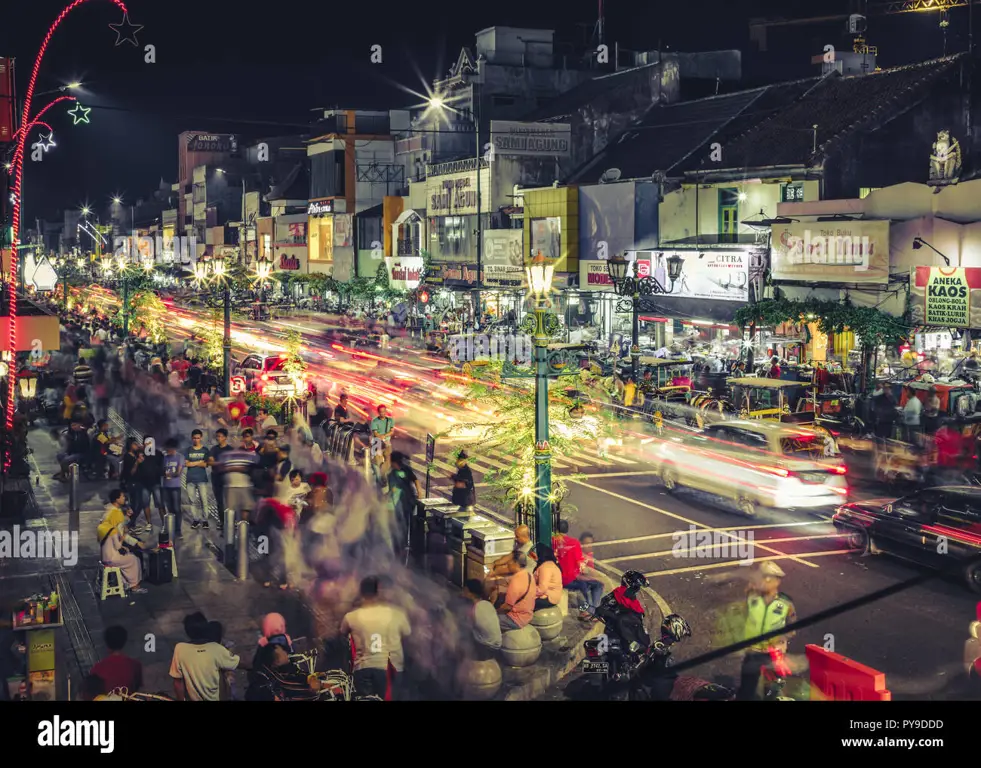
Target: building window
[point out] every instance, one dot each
(728, 213)
(504, 101)
(327, 175)
(864, 192)
(369, 231)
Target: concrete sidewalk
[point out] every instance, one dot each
(154, 620)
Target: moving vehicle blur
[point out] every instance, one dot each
(756, 464)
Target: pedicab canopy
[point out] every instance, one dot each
(946, 392)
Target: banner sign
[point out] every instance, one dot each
(404, 272)
(531, 139)
(721, 275)
(948, 297)
(460, 275)
(502, 259)
(320, 208)
(594, 276)
(212, 142)
(456, 194)
(831, 252)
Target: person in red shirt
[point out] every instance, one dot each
(573, 564)
(180, 365)
(118, 670)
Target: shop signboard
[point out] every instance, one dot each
(721, 275)
(320, 208)
(531, 139)
(455, 194)
(502, 259)
(404, 272)
(946, 297)
(452, 275)
(594, 276)
(212, 142)
(831, 252)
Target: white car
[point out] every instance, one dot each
(756, 464)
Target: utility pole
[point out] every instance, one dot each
(475, 114)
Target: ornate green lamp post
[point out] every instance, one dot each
(639, 290)
(542, 324)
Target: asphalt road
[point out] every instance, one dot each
(915, 637)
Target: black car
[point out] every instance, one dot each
(938, 527)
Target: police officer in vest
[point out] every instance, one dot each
(767, 609)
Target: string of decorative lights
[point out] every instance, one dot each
(18, 173)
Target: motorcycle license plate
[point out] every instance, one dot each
(596, 667)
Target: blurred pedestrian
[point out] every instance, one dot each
(464, 491)
(377, 631)
(216, 460)
(173, 476)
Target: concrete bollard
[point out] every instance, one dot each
(228, 533)
(73, 500)
(548, 622)
(242, 556)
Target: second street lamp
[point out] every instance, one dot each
(549, 364)
(638, 288)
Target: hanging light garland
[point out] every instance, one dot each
(18, 172)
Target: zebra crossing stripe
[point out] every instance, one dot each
(587, 460)
(420, 461)
(622, 460)
(485, 459)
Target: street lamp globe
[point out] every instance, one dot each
(86, 211)
(436, 102)
(540, 276)
(117, 201)
(675, 263)
(617, 267)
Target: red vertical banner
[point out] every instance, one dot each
(6, 100)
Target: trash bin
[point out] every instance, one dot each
(437, 554)
(420, 524)
(486, 546)
(458, 537)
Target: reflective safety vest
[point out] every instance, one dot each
(762, 618)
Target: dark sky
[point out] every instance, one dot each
(259, 68)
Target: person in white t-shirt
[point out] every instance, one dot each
(912, 412)
(198, 667)
(377, 631)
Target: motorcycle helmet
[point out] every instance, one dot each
(633, 581)
(675, 628)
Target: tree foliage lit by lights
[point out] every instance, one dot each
(293, 362)
(147, 312)
(509, 428)
(212, 338)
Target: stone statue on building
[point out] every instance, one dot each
(945, 161)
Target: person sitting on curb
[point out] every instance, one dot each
(486, 628)
(501, 568)
(516, 607)
(548, 579)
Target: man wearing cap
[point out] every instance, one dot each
(767, 609)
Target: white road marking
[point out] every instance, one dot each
(732, 563)
(684, 519)
(712, 547)
(733, 528)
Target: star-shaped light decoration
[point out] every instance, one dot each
(46, 142)
(79, 113)
(125, 31)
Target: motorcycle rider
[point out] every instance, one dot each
(623, 613)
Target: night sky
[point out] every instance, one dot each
(221, 68)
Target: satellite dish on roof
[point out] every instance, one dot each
(611, 174)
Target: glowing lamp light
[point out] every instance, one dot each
(27, 383)
(526, 491)
(540, 276)
(424, 297)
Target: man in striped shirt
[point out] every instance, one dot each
(82, 372)
(238, 466)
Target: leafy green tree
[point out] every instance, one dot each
(508, 425)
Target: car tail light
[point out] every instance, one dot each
(840, 470)
(592, 652)
(841, 491)
(778, 471)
